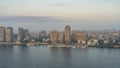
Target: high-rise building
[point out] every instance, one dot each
(2, 34)
(61, 37)
(26, 31)
(27, 34)
(67, 34)
(54, 37)
(21, 34)
(9, 34)
(80, 37)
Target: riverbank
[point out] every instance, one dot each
(63, 46)
(56, 46)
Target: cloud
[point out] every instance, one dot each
(33, 19)
(37, 23)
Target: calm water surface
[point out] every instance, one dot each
(44, 57)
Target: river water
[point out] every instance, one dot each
(45, 57)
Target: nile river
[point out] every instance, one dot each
(45, 57)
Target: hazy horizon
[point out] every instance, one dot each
(37, 15)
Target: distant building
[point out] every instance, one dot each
(54, 37)
(2, 34)
(92, 42)
(80, 38)
(61, 37)
(34, 35)
(101, 36)
(27, 34)
(9, 34)
(67, 35)
(43, 33)
(21, 34)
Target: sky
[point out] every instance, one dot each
(39, 15)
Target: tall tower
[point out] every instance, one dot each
(27, 34)
(54, 37)
(9, 34)
(67, 35)
(61, 37)
(2, 34)
(21, 34)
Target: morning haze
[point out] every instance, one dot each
(80, 14)
(59, 33)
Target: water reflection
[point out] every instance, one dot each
(64, 55)
(44, 57)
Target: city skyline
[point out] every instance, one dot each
(54, 37)
(59, 33)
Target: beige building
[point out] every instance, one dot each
(2, 34)
(61, 37)
(9, 34)
(80, 38)
(54, 37)
(67, 35)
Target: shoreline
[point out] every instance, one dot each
(56, 46)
